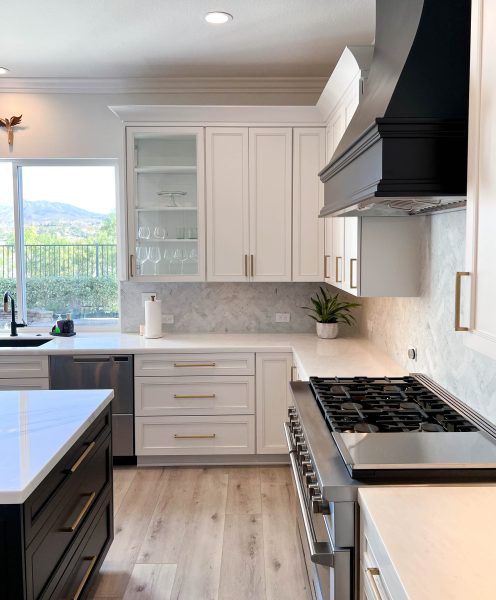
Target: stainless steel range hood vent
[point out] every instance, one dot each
(405, 149)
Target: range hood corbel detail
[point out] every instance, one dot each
(405, 149)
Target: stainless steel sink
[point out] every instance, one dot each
(22, 342)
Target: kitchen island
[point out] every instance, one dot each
(56, 501)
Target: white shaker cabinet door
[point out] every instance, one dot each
(227, 197)
(270, 203)
(480, 326)
(273, 399)
(337, 256)
(308, 199)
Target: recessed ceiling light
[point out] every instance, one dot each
(3, 70)
(218, 17)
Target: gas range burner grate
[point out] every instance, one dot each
(367, 405)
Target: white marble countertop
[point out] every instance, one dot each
(314, 356)
(36, 429)
(440, 540)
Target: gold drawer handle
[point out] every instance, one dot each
(82, 458)
(337, 270)
(82, 514)
(352, 260)
(246, 265)
(326, 274)
(199, 436)
(183, 396)
(212, 364)
(371, 573)
(458, 293)
(86, 576)
(252, 265)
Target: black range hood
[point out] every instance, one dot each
(405, 149)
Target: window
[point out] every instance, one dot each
(58, 247)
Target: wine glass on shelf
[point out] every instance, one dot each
(177, 261)
(191, 262)
(144, 232)
(160, 233)
(155, 257)
(142, 255)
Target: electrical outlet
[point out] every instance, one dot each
(412, 353)
(147, 296)
(282, 317)
(167, 319)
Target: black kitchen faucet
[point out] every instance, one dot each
(13, 324)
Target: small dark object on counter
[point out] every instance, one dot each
(65, 326)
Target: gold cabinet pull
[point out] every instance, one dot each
(293, 371)
(82, 458)
(81, 515)
(337, 269)
(182, 365)
(371, 573)
(458, 294)
(86, 576)
(246, 265)
(326, 274)
(198, 436)
(183, 396)
(352, 260)
(252, 264)
(131, 271)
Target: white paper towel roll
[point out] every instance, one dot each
(153, 318)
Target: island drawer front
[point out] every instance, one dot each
(34, 383)
(226, 363)
(157, 436)
(55, 488)
(208, 395)
(13, 366)
(74, 511)
(378, 575)
(81, 564)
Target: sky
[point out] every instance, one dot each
(88, 187)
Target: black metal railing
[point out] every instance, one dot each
(61, 260)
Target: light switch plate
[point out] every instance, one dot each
(167, 319)
(147, 296)
(283, 317)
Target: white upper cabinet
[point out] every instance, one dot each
(228, 243)
(480, 324)
(308, 199)
(165, 186)
(270, 186)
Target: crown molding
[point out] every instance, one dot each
(164, 85)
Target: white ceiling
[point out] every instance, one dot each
(138, 38)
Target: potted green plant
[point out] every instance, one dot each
(329, 311)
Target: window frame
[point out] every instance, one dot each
(17, 165)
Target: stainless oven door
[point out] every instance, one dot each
(328, 568)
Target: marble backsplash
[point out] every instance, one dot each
(223, 307)
(426, 322)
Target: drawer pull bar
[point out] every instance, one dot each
(82, 458)
(82, 514)
(198, 436)
(458, 292)
(371, 573)
(86, 576)
(212, 364)
(183, 396)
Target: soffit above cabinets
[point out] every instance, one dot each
(157, 38)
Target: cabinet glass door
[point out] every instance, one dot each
(168, 203)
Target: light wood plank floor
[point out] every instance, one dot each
(212, 533)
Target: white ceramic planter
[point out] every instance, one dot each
(327, 331)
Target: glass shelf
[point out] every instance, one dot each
(174, 240)
(167, 208)
(166, 169)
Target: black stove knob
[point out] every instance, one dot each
(314, 491)
(310, 478)
(320, 506)
(306, 466)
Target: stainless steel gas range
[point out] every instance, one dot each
(346, 433)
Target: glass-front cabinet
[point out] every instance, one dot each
(166, 203)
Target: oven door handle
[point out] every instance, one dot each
(321, 553)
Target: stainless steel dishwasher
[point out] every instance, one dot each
(102, 371)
